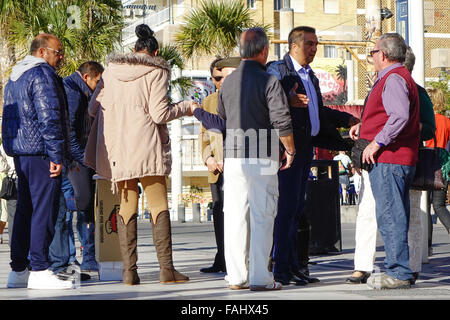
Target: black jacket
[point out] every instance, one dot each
(328, 136)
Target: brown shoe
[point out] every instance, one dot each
(162, 239)
(128, 249)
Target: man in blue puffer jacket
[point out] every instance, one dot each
(77, 179)
(35, 132)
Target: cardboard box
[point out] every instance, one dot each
(107, 252)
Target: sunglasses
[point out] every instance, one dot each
(373, 52)
(58, 52)
(218, 78)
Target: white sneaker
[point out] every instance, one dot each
(18, 279)
(46, 279)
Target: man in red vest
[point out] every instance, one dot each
(391, 122)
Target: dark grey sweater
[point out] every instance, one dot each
(253, 103)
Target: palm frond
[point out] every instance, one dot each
(214, 28)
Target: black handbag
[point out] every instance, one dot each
(8, 190)
(357, 152)
(428, 174)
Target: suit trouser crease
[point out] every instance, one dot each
(292, 190)
(250, 204)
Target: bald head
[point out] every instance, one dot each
(48, 47)
(41, 41)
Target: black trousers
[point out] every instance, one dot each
(217, 208)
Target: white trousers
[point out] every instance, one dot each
(250, 207)
(366, 229)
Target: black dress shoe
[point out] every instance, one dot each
(305, 277)
(298, 281)
(213, 269)
(361, 279)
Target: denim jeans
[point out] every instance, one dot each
(59, 252)
(390, 186)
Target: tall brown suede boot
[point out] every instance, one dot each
(128, 248)
(162, 239)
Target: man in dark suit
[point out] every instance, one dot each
(313, 125)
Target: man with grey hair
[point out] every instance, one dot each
(391, 123)
(366, 224)
(256, 111)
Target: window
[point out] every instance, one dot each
(329, 51)
(298, 5)
(251, 4)
(277, 4)
(331, 6)
(428, 14)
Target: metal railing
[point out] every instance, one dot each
(151, 20)
(191, 157)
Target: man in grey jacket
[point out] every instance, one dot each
(257, 117)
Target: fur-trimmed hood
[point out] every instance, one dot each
(131, 66)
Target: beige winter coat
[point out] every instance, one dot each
(129, 137)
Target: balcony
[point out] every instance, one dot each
(191, 157)
(155, 20)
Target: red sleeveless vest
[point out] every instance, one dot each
(404, 149)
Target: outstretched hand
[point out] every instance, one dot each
(194, 105)
(297, 100)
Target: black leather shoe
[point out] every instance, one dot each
(357, 280)
(305, 277)
(298, 281)
(213, 269)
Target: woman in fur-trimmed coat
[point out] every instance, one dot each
(129, 143)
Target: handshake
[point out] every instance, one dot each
(193, 105)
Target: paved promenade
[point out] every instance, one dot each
(194, 248)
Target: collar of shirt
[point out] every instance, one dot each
(383, 72)
(299, 68)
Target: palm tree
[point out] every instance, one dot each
(214, 28)
(96, 31)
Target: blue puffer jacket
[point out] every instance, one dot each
(78, 95)
(35, 115)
